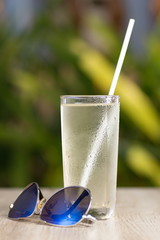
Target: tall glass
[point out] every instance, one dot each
(90, 132)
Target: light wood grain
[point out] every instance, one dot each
(137, 218)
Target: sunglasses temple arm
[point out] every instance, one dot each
(88, 217)
(40, 194)
(41, 201)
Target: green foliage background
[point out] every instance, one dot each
(52, 59)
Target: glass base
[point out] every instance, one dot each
(101, 213)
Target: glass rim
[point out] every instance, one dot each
(92, 99)
(88, 96)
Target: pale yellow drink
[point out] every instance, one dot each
(90, 127)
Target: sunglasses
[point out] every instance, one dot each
(66, 207)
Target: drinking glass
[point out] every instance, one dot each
(90, 133)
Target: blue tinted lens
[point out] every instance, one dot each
(25, 204)
(67, 206)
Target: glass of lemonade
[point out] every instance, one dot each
(90, 132)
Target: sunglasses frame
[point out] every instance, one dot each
(41, 201)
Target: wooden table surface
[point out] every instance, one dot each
(137, 218)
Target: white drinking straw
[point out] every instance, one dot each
(91, 160)
(121, 56)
